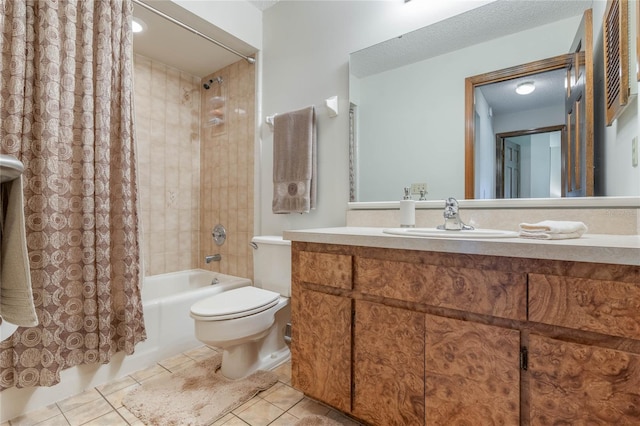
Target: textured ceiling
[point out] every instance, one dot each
(550, 90)
(497, 19)
(263, 4)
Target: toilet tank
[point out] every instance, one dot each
(272, 264)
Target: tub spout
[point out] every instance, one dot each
(213, 257)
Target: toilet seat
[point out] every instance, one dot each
(236, 303)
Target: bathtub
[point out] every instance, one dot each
(166, 299)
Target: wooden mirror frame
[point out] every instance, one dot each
(537, 67)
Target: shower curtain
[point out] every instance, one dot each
(66, 112)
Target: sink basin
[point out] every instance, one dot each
(441, 233)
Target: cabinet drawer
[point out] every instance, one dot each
(608, 307)
(332, 270)
(496, 293)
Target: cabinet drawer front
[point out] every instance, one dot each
(496, 293)
(608, 307)
(333, 270)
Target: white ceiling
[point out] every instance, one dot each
(263, 4)
(488, 22)
(550, 90)
(172, 45)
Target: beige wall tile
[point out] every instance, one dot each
(193, 175)
(167, 131)
(227, 165)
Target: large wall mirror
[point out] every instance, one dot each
(408, 106)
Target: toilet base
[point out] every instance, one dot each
(246, 359)
(265, 351)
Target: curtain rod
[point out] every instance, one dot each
(194, 31)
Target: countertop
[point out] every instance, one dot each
(595, 248)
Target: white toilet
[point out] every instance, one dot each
(248, 323)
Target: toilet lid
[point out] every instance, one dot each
(235, 303)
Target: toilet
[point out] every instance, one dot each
(249, 323)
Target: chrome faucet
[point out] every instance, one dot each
(452, 221)
(213, 257)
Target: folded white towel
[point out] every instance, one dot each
(553, 229)
(16, 297)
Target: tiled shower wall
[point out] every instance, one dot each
(167, 113)
(227, 158)
(194, 174)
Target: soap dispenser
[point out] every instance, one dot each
(407, 210)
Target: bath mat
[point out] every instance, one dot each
(317, 420)
(195, 396)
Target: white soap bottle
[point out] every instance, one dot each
(407, 210)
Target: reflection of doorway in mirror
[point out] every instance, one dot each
(529, 163)
(511, 169)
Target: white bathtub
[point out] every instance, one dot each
(167, 299)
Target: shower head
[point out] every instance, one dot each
(208, 84)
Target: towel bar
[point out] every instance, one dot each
(331, 105)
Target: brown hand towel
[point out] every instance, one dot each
(16, 297)
(294, 161)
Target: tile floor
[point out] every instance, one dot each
(280, 405)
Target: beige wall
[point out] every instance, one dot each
(167, 113)
(227, 155)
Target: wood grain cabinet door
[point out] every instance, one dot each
(574, 384)
(321, 346)
(388, 365)
(472, 373)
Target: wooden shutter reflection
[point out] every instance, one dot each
(616, 58)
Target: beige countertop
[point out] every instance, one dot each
(598, 248)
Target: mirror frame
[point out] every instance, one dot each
(536, 67)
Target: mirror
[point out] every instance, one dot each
(529, 163)
(408, 94)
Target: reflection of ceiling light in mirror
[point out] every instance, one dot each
(137, 26)
(525, 88)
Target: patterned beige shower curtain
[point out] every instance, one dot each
(67, 114)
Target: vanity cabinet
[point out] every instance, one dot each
(406, 337)
(584, 383)
(472, 372)
(322, 347)
(573, 384)
(388, 364)
(323, 333)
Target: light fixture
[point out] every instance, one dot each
(525, 88)
(138, 26)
